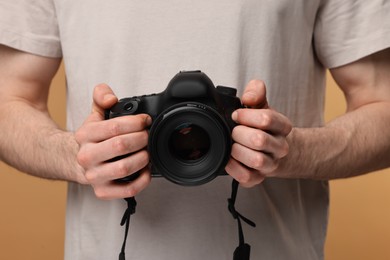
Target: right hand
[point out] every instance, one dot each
(101, 140)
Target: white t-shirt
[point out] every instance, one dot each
(138, 46)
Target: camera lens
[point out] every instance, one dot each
(189, 142)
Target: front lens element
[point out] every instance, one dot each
(189, 142)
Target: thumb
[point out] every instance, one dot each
(255, 95)
(103, 98)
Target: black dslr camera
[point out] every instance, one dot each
(190, 137)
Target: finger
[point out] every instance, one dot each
(259, 140)
(264, 119)
(103, 98)
(245, 176)
(117, 169)
(98, 131)
(112, 190)
(260, 161)
(92, 154)
(255, 95)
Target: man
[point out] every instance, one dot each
(135, 48)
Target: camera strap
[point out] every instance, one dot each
(131, 204)
(243, 250)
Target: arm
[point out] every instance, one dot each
(364, 142)
(355, 143)
(32, 142)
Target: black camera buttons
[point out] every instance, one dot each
(130, 106)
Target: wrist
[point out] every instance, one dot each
(315, 153)
(75, 172)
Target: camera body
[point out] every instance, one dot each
(190, 136)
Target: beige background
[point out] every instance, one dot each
(32, 210)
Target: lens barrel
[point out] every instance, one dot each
(189, 144)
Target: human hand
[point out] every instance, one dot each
(260, 138)
(102, 140)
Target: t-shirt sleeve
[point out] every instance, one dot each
(30, 26)
(348, 30)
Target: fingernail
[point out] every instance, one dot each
(234, 115)
(249, 95)
(148, 120)
(108, 97)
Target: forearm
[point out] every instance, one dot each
(353, 144)
(33, 143)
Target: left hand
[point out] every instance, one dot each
(260, 138)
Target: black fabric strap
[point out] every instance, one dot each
(242, 252)
(131, 204)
